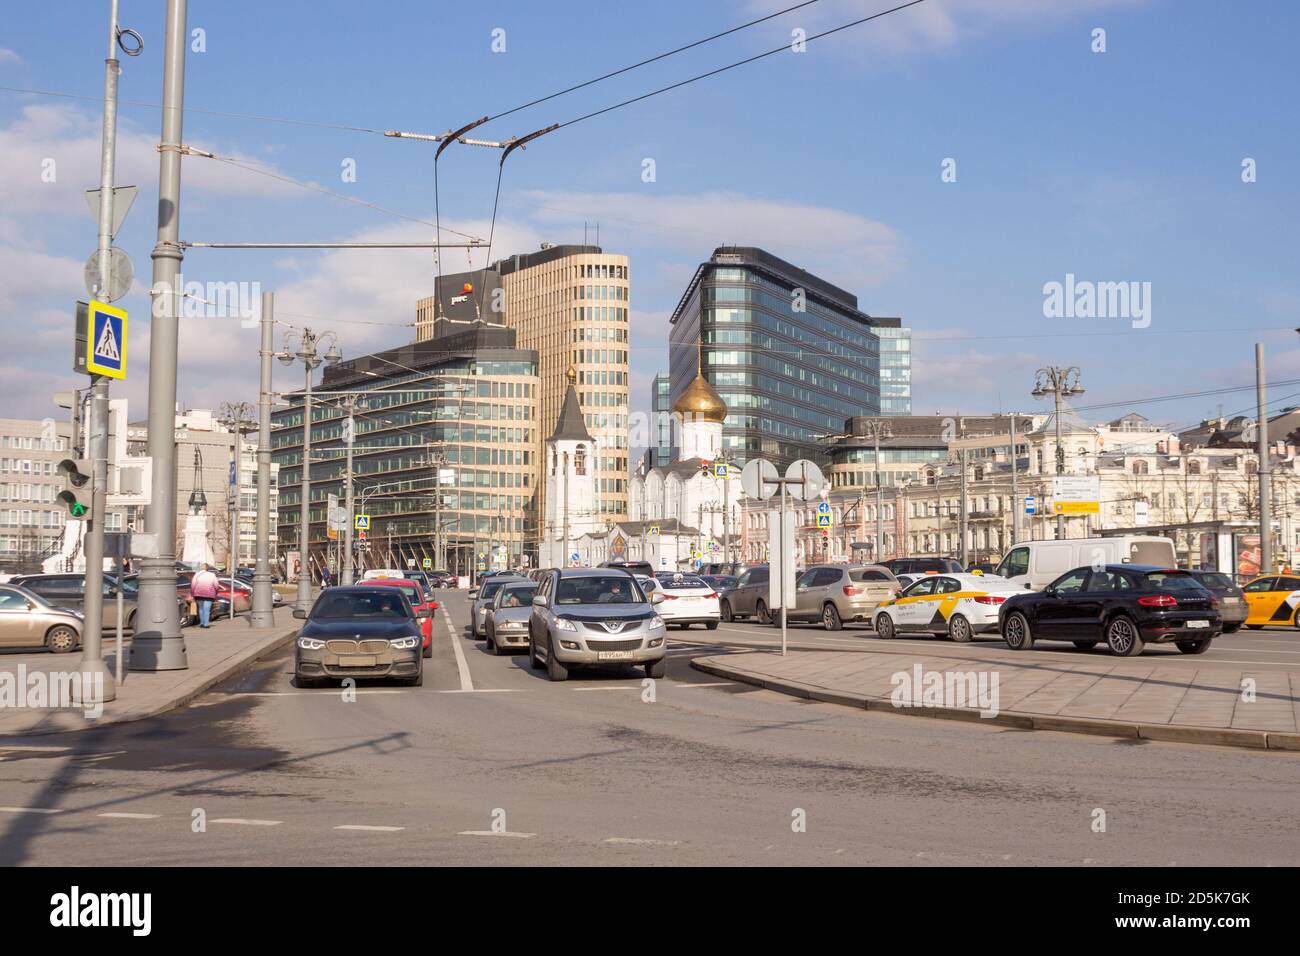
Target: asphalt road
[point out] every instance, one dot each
(591, 772)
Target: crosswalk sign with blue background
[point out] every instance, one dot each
(362, 522)
(106, 340)
(824, 521)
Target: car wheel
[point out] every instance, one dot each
(555, 670)
(130, 621)
(1193, 647)
(760, 612)
(61, 639)
(831, 618)
(711, 625)
(1085, 645)
(533, 660)
(959, 629)
(885, 627)
(1123, 638)
(305, 682)
(657, 669)
(725, 609)
(1231, 628)
(498, 650)
(1016, 632)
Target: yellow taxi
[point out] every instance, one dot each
(1272, 599)
(960, 605)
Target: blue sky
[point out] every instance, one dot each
(1118, 166)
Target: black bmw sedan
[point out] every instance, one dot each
(1126, 605)
(358, 631)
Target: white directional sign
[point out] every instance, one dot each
(758, 478)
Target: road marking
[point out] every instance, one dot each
(325, 693)
(496, 833)
(128, 816)
(28, 810)
(461, 664)
(640, 841)
(34, 749)
(724, 683)
(360, 826)
(248, 823)
(485, 690)
(579, 690)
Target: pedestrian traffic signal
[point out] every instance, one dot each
(76, 472)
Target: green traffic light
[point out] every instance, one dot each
(78, 509)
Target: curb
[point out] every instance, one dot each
(228, 669)
(1224, 737)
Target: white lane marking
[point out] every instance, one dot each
(248, 823)
(723, 683)
(29, 810)
(579, 690)
(375, 829)
(128, 816)
(310, 693)
(485, 690)
(461, 664)
(496, 833)
(24, 749)
(640, 841)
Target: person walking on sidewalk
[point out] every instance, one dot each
(203, 588)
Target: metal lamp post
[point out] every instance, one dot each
(307, 351)
(1060, 383)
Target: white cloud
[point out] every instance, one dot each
(935, 24)
(9, 56)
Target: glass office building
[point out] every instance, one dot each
(790, 354)
(895, 367)
(661, 425)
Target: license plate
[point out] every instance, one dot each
(613, 655)
(359, 660)
(1231, 600)
(1198, 623)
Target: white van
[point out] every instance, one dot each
(1035, 564)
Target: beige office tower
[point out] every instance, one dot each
(570, 304)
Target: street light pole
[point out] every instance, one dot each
(1060, 383)
(1264, 469)
(349, 434)
(263, 600)
(1015, 488)
(306, 351)
(158, 644)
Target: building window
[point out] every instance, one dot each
(1140, 467)
(580, 460)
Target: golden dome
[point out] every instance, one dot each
(700, 403)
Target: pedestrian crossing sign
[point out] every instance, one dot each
(363, 522)
(720, 470)
(654, 530)
(426, 563)
(106, 335)
(823, 521)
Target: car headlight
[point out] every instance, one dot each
(404, 643)
(310, 644)
(655, 621)
(564, 624)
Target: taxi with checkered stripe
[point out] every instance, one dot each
(1273, 599)
(959, 605)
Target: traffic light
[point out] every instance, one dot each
(706, 467)
(76, 472)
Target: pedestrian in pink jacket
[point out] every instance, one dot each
(203, 588)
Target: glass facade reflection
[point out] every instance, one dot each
(789, 353)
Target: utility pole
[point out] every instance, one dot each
(158, 645)
(1264, 469)
(307, 352)
(238, 417)
(1060, 383)
(263, 601)
(964, 512)
(349, 436)
(97, 684)
(1015, 488)
(879, 429)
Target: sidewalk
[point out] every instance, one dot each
(1121, 697)
(213, 655)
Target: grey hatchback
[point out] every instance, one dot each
(597, 616)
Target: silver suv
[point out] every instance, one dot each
(749, 598)
(836, 593)
(598, 616)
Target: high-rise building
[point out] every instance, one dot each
(445, 452)
(570, 305)
(660, 452)
(895, 366)
(789, 353)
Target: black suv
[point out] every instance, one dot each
(899, 566)
(1126, 605)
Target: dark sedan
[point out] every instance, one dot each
(1126, 605)
(360, 632)
(1232, 600)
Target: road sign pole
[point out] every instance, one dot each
(157, 644)
(346, 569)
(785, 568)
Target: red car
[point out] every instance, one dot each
(420, 601)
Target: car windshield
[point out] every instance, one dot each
(599, 589)
(490, 589)
(868, 574)
(518, 596)
(1173, 581)
(385, 604)
(1216, 580)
